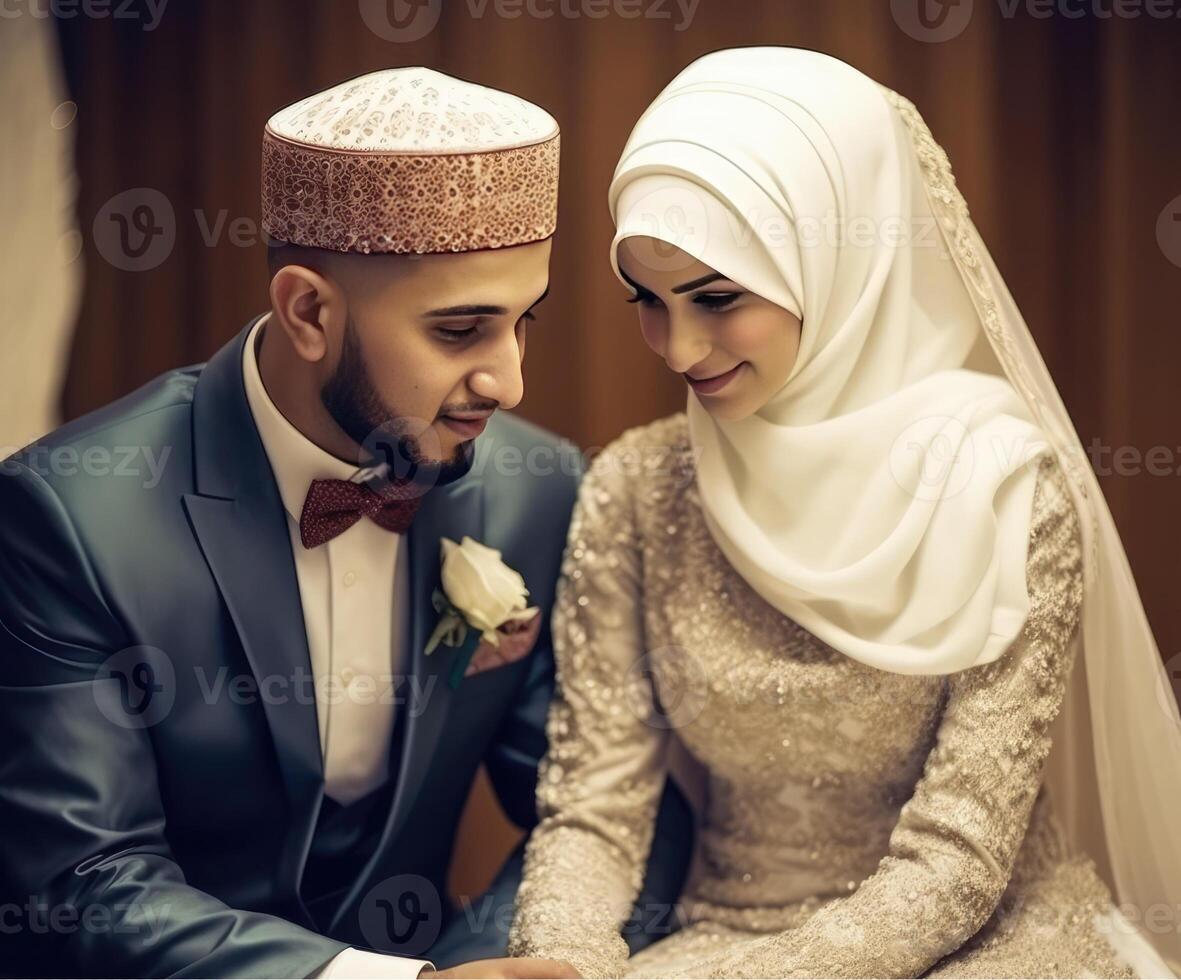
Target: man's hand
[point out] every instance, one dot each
(506, 968)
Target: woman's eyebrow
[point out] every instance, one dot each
(696, 283)
(683, 288)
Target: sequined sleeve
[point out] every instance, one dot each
(600, 782)
(953, 849)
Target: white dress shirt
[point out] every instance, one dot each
(354, 591)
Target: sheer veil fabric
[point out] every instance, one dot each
(882, 497)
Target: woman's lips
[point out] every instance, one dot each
(711, 386)
(468, 427)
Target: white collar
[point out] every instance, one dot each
(295, 460)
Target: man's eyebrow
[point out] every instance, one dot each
(467, 311)
(478, 309)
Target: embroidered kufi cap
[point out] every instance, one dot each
(409, 160)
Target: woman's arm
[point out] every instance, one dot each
(953, 849)
(600, 781)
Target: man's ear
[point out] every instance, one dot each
(310, 308)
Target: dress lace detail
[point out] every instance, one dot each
(858, 823)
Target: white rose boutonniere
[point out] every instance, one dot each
(480, 596)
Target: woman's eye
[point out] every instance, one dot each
(645, 299)
(715, 301)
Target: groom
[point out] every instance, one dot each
(226, 749)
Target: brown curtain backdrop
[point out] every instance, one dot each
(1061, 130)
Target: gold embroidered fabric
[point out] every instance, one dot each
(859, 823)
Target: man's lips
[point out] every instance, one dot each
(467, 425)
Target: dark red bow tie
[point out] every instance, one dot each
(333, 506)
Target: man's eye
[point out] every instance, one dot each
(454, 336)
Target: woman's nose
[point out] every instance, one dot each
(687, 345)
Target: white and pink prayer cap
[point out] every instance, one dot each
(409, 160)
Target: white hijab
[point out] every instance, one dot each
(882, 497)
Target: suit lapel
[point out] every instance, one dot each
(241, 527)
(448, 512)
(457, 512)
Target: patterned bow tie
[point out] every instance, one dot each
(333, 506)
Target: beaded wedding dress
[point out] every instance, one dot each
(856, 821)
(859, 822)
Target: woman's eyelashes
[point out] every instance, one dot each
(644, 298)
(710, 301)
(715, 301)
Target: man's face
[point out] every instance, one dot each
(433, 345)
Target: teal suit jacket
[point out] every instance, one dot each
(176, 812)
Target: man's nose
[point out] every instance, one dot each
(501, 380)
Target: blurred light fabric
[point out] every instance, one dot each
(40, 269)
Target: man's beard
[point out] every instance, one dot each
(353, 401)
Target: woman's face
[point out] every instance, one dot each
(734, 348)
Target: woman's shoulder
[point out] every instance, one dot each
(672, 431)
(647, 455)
(1055, 528)
(1054, 562)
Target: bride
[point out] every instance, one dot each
(857, 580)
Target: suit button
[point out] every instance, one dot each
(349, 578)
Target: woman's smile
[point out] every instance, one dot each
(714, 385)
